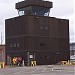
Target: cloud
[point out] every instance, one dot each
(62, 7)
(8, 1)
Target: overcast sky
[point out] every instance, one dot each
(61, 9)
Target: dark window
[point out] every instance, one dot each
(17, 45)
(11, 45)
(14, 45)
(41, 27)
(43, 44)
(46, 27)
(34, 10)
(46, 56)
(41, 11)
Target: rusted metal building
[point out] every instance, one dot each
(2, 53)
(34, 35)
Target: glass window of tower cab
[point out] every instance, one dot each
(34, 7)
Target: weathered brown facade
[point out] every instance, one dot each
(45, 37)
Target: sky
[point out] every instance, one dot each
(61, 9)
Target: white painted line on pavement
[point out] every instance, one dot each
(44, 70)
(35, 70)
(52, 69)
(24, 71)
(19, 72)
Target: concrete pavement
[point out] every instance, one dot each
(39, 70)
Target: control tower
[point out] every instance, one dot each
(34, 35)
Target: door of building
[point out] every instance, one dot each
(30, 57)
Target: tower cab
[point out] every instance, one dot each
(34, 7)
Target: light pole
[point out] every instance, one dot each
(28, 56)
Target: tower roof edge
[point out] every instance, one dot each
(41, 3)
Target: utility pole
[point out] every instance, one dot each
(1, 38)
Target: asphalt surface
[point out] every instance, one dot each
(39, 70)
